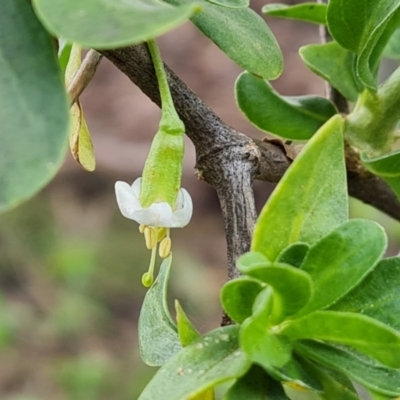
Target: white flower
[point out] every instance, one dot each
(158, 214)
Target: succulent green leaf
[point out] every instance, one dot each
(241, 34)
(394, 184)
(341, 260)
(292, 288)
(256, 339)
(385, 166)
(251, 259)
(379, 396)
(256, 385)
(352, 28)
(212, 359)
(364, 33)
(34, 109)
(110, 24)
(369, 59)
(377, 295)
(238, 296)
(334, 64)
(363, 333)
(296, 374)
(392, 49)
(296, 118)
(309, 12)
(231, 3)
(188, 334)
(335, 384)
(64, 51)
(158, 336)
(294, 254)
(311, 198)
(186, 331)
(364, 370)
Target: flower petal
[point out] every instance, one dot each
(135, 187)
(157, 215)
(128, 202)
(183, 214)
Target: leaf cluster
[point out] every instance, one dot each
(313, 310)
(363, 33)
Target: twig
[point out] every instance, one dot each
(84, 75)
(209, 134)
(229, 160)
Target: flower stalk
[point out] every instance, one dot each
(156, 201)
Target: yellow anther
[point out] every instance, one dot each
(161, 232)
(165, 247)
(141, 228)
(150, 237)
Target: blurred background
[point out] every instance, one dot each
(71, 265)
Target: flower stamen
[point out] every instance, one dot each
(165, 247)
(161, 233)
(148, 277)
(150, 237)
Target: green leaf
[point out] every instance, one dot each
(335, 384)
(363, 333)
(212, 359)
(238, 296)
(394, 184)
(188, 334)
(309, 12)
(256, 385)
(310, 200)
(362, 32)
(110, 24)
(292, 288)
(296, 375)
(231, 3)
(186, 331)
(34, 108)
(296, 118)
(158, 337)
(385, 166)
(369, 59)
(392, 49)
(341, 260)
(334, 64)
(242, 35)
(64, 51)
(294, 254)
(251, 259)
(378, 294)
(357, 367)
(378, 396)
(256, 339)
